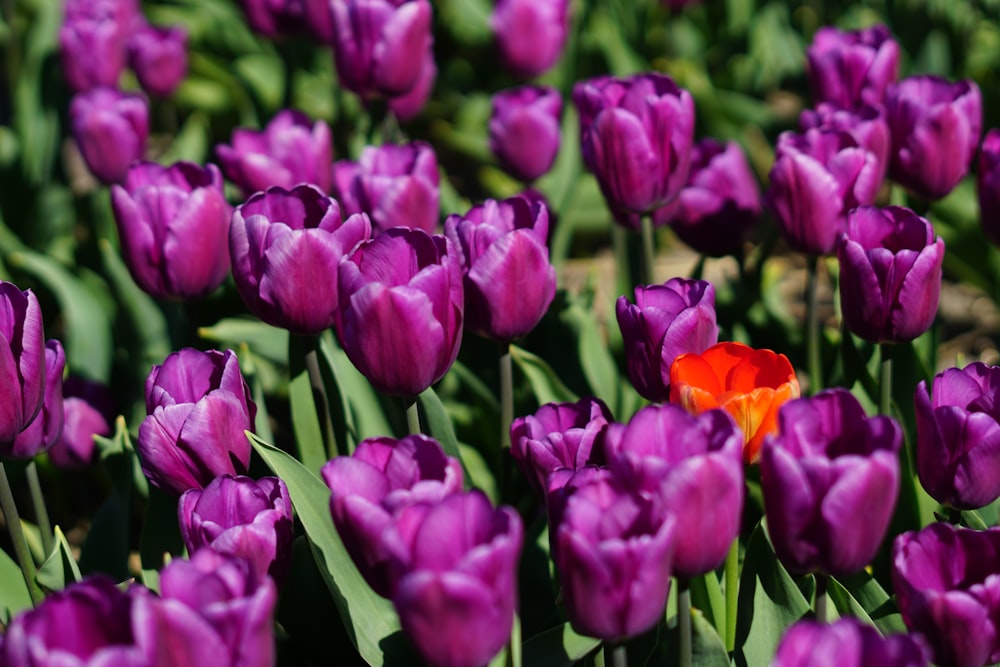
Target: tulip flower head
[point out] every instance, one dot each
(159, 58)
(524, 130)
(408, 105)
(751, 385)
(854, 68)
(92, 41)
(45, 429)
(88, 410)
(988, 182)
(867, 125)
(530, 34)
(22, 348)
(110, 128)
(848, 642)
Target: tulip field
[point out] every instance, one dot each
(507, 333)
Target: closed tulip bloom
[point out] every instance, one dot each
(401, 305)
(817, 177)
(828, 465)
(636, 134)
(853, 68)
(289, 151)
(988, 182)
(379, 45)
(866, 124)
(241, 517)
(958, 436)
(751, 385)
(848, 642)
(508, 279)
(376, 495)
(890, 274)
(409, 105)
(198, 407)
(22, 360)
(274, 18)
(92, 43)
(530, 34)
(666, 321)
(159, 58)
(456, 601)
(88, 410)
(524, 130)
(286, 246)
(397, 186)
(947, 586)
(173, 223)
(935, 127)
(558, 436)
(45, 429)
(110, 127)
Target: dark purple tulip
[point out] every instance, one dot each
(665, 322)
(854, 68)
(397, 186)
(948, 589)
(380, 491)
(22, 361)
(111, 128)
(273, 18)
(636, 134)
(198, 407)
(317, 20)
(867, 125)
(524, 130)
(87, 624)
(408, 105)
(159, 58)
(817, 177)
(720, 202)
(530, 34)
(509, 282)
(173, 223)
(614, 549)
(848, 643)
(457, 599)
(882, 245)
(828, 466)
(241, 517)
(958, 436)
(88, 410)
(92, 42)
(45, 429)
(935, 128)
(557, 436)
(988, 182)
(694, 467)
(401, 303)
(286, 246)
(289, 151)
(379, 45)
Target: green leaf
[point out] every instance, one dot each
(557, 647)
(306, 421)
(265, 340)
(707, 648)
(861, 595)
(595, 359)
(14, 596)
(363, 414)
(438, 426)
(59, 569)
(544, 382)
(706, 595)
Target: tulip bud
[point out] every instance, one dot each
(848, 642)
(286, 247)
(92, 42)
(159, 58)
(890, 274)
(289, 151)
(988, 182)
(111, 128)
(531, 34)
(23, 355)
(88, 410)
(45, 429)
(173, 223)
(851, 69)
(524, 130)
(198, 407)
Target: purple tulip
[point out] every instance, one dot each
(531, 34)
(958, 436)
(720, 202)
(289, 151)
(159, 58)
(890, 274)
(45, 429)
(935, 128)
(457, 599)
(317, 20)
(88, 410)
(274, 18)
(851, 69)
(614, 549)
(378, 493)
(867, 125)
(948, 589)
(524, 130)
(509, 282)
(401, 302)
(988, 182)
(665, 322)
(286, 246)
(198, 407)
(636, 134)
(828, 465)
(694, 467)
(408, 105)
(173, 223)
(92, 42)
(241, 517)
(848, 643)
(111, 128)
(22, 361)
(559, 436)
(379, 45)
(397, 186)
(817, 177)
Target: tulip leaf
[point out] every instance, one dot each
(546, 385)
(362, 411)
(438, 424)
(370, 620)
(302, 399)
(861, 595)
(560, 646)
(265, 340)
(59, 569)
(706, 595)
(14, 596)
(707, 649)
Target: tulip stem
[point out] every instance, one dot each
(648, 250)
(732, 592)
(615, 655)
(684, 621)
(41, 512)
(17, 537)
(412, 416)
(812, 322)
(821, 597)
(506, 396)
(885, 380)
(320, 397)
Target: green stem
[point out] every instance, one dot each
(648, 250)
(732, 592)
(41, 512)
(619, 241)
(412, 416)
(821, 597)
(506, 396)
(812, 324)
(615, 655)
(320, 397)
(684, 621)
(885, 380)
(17, 537)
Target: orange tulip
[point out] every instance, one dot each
(751, 385)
